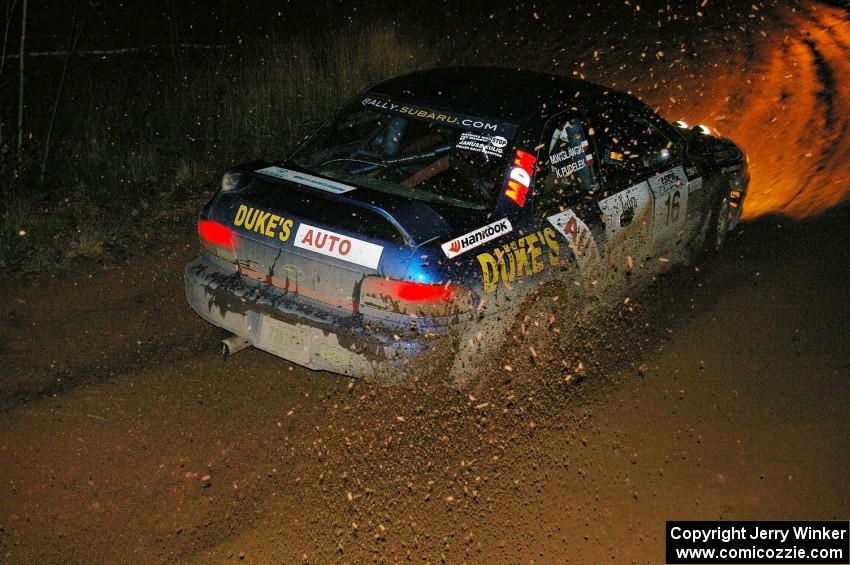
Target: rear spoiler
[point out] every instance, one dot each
(415, 221)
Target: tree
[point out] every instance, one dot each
(21, 87)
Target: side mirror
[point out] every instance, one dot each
(656, 158)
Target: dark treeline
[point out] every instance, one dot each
(147, 102)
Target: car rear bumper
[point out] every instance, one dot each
(310, 334)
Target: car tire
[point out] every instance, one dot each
(485, 347)
(719, 222)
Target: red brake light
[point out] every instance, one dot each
(414, 298)
(421, 292)
(216, 233)
(218, 239)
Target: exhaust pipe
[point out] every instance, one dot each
(233, 344)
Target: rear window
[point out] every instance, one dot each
(315, 207)
(426, 154)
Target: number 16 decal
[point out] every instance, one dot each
(673, 207)
(670, 194)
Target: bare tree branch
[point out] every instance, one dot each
(75, 38)
(10, 8)
(122, 51)
(21, 88)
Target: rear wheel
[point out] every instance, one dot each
(718, 224)
(487, 345)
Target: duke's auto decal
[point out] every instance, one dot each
(478, 237)
(339, 246)
(265, 223)
(518, 258)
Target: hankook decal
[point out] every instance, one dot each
(475, 238)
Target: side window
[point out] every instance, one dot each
(631, 145)
(567, 167)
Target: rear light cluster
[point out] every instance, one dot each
(218, 239)
(401, 297)
(414, 298)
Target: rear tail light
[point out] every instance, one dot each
(414, 298)
(218, 239)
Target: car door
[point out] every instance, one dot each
(673, 212)
(645, 185)
(567, 190)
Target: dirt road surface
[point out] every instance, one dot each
(723, 394)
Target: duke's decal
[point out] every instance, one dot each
(519, 178)
(339, 246)
(307, 180)
(579, 238)
(492, 146)
(478, 237)
(518, 258)
(265, 223)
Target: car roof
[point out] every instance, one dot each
(508, 94)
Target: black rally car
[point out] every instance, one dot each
(405, 234)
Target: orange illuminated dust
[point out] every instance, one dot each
(787, 106)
